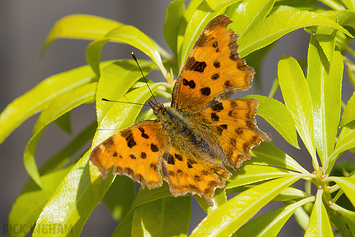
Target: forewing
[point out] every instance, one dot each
(134, 152)
(212, 69)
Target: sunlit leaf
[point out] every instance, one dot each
(31, 201)
(349, 111)
(319, 224)
(279, 24)
(61, 105)
(270, 224)
(42, 95)
(347, 185)
(80, 27)
(324, 81)
(297, 98)
(234, 213)
(173, 17)
(248, 14)
(71, 204)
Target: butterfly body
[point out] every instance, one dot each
(201, 124)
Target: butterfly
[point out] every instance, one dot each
(201, 124)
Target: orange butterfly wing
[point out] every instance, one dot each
(187, 174)
(233, 123)
(134, 152)
(213, 68)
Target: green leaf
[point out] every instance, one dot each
(163, 217)
(278, 24)
(61, 158)
(291, 193)
(64, 122)
(347, 185)
(116, 79)
(31, 201)
(71, 204)
(297, 98)
(93, 54)
(349, 112)
(270, 223)
(346, 18)
(345, 142)
(41, 96)
(144, 197)
(234, 213)
(350, 4)
(80, 27)
(120, 196)
(319, 224)
(248, 14)
(173, 17)
(61, 105)
(276, 114)
(326, 39)
(248, 174)
(349, 216)
(204, 13)
(338, 220)
(255, 59)
(324, 81)
(218, 199)
(136, 38)
(268, 154)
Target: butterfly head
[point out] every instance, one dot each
(158, 108)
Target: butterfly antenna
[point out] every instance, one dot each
(145, 79)
(125, 102)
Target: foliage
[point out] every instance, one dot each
(65, 194)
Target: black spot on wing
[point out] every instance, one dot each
(179, 157)
(154, 148)
(193, 65)
(133, 156)
(191, 83)
(170, 159)
(214, 117)
(153, 166)
(224, 126)
(217, 107)
(206, 91)
(144, 135)
(130, 141)
(190, 162)
(215, 76)
(143, 155)
(216, 64)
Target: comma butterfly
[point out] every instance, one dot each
(201, 124)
